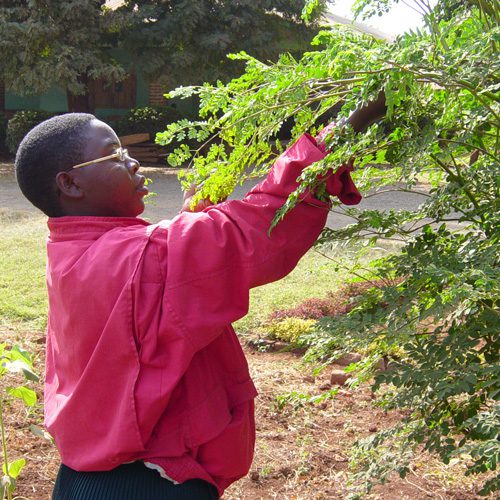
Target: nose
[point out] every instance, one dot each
(133, 165)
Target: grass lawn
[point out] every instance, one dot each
(23, 298)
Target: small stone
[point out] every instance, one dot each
(338, 377)
(347, 359)
(325, 387)
(373, 428)
(278, 345)
(254, 475)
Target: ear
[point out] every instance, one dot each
(68, 185)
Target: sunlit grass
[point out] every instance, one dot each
(23, 296)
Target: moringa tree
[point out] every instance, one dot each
(437, 317)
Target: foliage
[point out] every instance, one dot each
(151, 119)
(442, 289)
(20, 124)
(289, 329)
(298, 400)
(55, 43)
(341, 301)
(68, 44)
(13, 361)
(187, 41)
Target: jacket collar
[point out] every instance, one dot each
(87, 227)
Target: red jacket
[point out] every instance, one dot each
(142, 363)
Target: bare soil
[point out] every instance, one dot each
(301, 453)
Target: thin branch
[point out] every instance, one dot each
(402, 190)
(418, 11)
(360, 276)
(482, 150)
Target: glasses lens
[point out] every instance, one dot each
(123, 154)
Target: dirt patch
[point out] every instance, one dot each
(302, 451)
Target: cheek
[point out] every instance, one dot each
(121, 186)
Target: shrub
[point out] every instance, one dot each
(289, 329)
(14, 363)
(337, 302)
(441, 92)
(151, 119)
(20, 124)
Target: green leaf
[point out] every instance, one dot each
(24, 393)
(20, 366)
(14, 468)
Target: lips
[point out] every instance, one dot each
(141, 188)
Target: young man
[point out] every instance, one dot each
(147, 389)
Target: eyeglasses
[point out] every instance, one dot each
(121, 154)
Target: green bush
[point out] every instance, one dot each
(289, 329)
(20, 124)
(150, 119)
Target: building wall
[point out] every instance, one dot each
(156, 91)
(54, 101)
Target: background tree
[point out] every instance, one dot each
(187, 40)
(437, 317)
(47, 43)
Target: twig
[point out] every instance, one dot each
(429, 493)
(411, 191)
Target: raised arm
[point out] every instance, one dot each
(211, 259)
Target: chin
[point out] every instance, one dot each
(138, 211)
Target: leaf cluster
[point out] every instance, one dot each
(187, 42)
(14, 361)
(43, 44)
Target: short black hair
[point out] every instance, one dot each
(52, 146)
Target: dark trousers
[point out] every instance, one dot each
(127, 482)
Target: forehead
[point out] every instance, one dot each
(100, 138)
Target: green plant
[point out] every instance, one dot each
(20, 124)
(289, 329)
(440, 301)
(13, 361)
(150, 119)
(297, 400)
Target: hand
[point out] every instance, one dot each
(188, 198)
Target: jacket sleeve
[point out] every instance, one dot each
(211, 259)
